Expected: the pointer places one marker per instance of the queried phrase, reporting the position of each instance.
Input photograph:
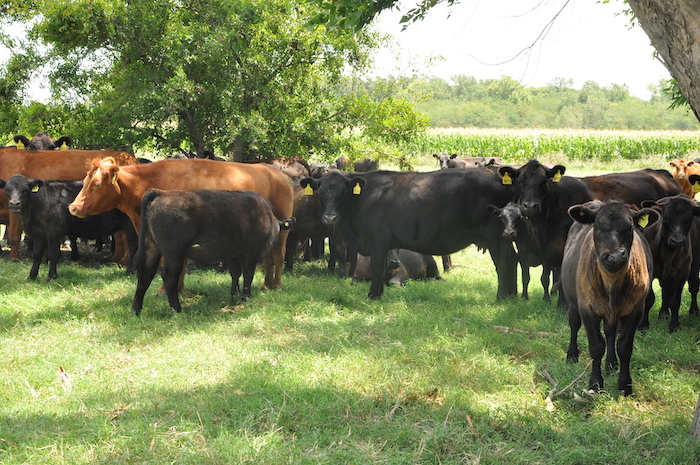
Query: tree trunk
(673, 26)
(695, 427)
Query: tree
(248, 78)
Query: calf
(675, 245)
(606, 274)
(308, 212)
(43, 208)
(402, 265)
(518, 230)
(234, 227)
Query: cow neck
(130, 194)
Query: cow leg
(446, 262)
(14, 235)
(292, 241)
(248, 273)
(525, 278)
(234, 269)
(596, 347)
(38, 250)
(53, 253)
(574, 325)
(648, 303)
(693, 288)
(337, 253)
(506, 262)
(74, 254)
(610, 336)
(671, 299)
(274, 261)
(147, 269)
(171, 278)
(625, 345)
(378, 259)
(546, 271)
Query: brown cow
(108, 186)
(681, 173)
(606, 274)
(63, 165)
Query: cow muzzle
(76, 211)
(330, 219)
(614, 260)
(14, 206)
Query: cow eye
(96, 185)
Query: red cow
(63, 165)
(682, 171)
(108, 186)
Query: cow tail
(140, 257)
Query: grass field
(316, 373)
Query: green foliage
(505, 103)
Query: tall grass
(437, 372)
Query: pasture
(433, 373)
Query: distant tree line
(505, 103)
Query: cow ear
(508, 174)
(21, 141)
(2, 183)
(453, 156)
(646, 217)
(556, 172)
(63, 142)
(582, 214)
(35, 185)
(672, 163)
(435, 155)
(493, 210)
(694, 181)
(649, 203)
(309, 185)
(357, 184)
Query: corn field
(573, 144)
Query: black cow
(546, 195)
(675, 245)
(402, 265)
(236, 228)
(453, 161)
(42, 141)
(517, 229)
(43, 207)
(606, 274)
(364, 165)
(308, 212)
(633, 187)
(383, 210)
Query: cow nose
(676, 242)
(330, 219)
(14, 205)
(393, 264)
(531, 207)
(510, 233)
(614, 260)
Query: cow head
(510, 216)
(532, 184)
(335, 190)
(100, 190)
(18, 189)
(42, 141)
(677, 215)
(613, 230)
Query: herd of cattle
(601, 240)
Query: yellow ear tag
(357, 189)
(506, 179)
(64, 146)
(35, 189)
(643, 221)
(696, 187)
(114, 178)
(308, 190)
(20, 145)
(557, 176)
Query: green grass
(316, 373)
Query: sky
(487, 39)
